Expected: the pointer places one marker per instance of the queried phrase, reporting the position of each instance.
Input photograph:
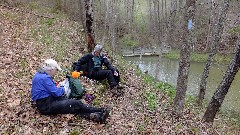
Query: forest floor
(28, 37)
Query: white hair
(47, 67)
(98, 48)
(50, 64)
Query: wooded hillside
(30, 33)
(151, 22)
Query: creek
(167, 71)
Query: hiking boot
(117, 90)
(120, 91)
(120, 87)
(104, 116)
(101, 116)
(97, 116)
(114, 90)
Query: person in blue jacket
(50, 99)
(94, 62)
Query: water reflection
(167, 71)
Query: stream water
(167, 71)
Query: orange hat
(75, 74)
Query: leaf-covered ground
(27, 38)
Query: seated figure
(93, 63)
(50, 99)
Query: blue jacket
(43, 86)
(88, 59)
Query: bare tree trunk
(106, 4)
(82, 11)
(132, 17)
(82, 18)
(181, 5)
(89, 25)
(163, 17)
(217, 37)
(129, 13)
(171, 25)
(160, 31)
(151, 19)
(184, 63)
(223, 87)
(113, 26)
(210, 24)
(166, 13)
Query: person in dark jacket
(94, 61)
(50, 99)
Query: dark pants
(62, 105)
(106, 74)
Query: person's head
(97, 49)
(50, 66)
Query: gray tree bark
(216, 42)
(171, 24)
(223, 87)
(184, 63)
(114, 12)
(210, 24)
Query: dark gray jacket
(87, 60)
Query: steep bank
(28, 37)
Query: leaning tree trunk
(217, 37)
(171, 25)
(184, 63)
(89, 25)
(222, 89)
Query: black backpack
(83, 68)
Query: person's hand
(115, 73)
(67, 91)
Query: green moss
(127, 41)
(167, 88)
(140, 128)
(137, 102)
(33, 5)
(199, 57)
(195, 129)
(23, 63)
(19, 74)
(191, 100)
(7, 15)
(97, 101)
(49, 22)
(147, 79)
(151, 100)
(234, 30)
(76, 132)
(172, 55)
(178, 127)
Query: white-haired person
(50, 99)
(94, 62)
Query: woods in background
(158, 23)
(130, 23)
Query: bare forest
(33, 30)
(153, 22)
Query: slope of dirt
(27, 38)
